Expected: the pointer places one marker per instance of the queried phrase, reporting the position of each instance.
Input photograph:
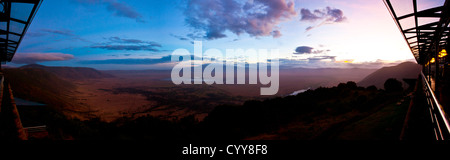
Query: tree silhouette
(393, 85)
(372, 88)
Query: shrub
(393, 85)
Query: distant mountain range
(405, 70)
(71, 72)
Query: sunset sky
(137, 34)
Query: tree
(351, 85)
(372, 88)
(348, 85)
(393, 85)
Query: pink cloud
(31, 58)
(257, 17)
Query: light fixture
(442, 53)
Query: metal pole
(436, 78)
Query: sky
(137, 34)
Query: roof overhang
(426, 30)
(15, 18)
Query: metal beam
(432, 12)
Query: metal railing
(34, 129)
(1, 89)
(439, 118)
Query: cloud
(303, 50)
(36, 34)
(119, 9)
(324, 16)
(179, 37)
(128, 47)
(116, 43)
(63, 32)
(307, 15)
(319, 58)
(308, 50)
(45, 32)
(328, 14)
(213, 18)
(194, 35)
(129, 61)
(132, 61)
(331, 62)
(31, 58)
(276, 33)
(133, 41)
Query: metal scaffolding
(426, 32)
(15, 18)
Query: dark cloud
(32, 58)
(179, 37)
(276, 33)
(325, 16)
(116, 43)
(183, 39)
(328, 14)
(303, 50)
(120, 9)
(308, 50)
(335, 15)
(213, 18)
(307, 15)
(194, 36)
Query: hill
(53, 86)
(72, 73)
(38, 85)
(399, 72)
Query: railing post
(439, 117)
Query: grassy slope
(38, 85)
(382, 121)
(41, 86)
(385, 124)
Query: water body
(22, 102)
(299, 91)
